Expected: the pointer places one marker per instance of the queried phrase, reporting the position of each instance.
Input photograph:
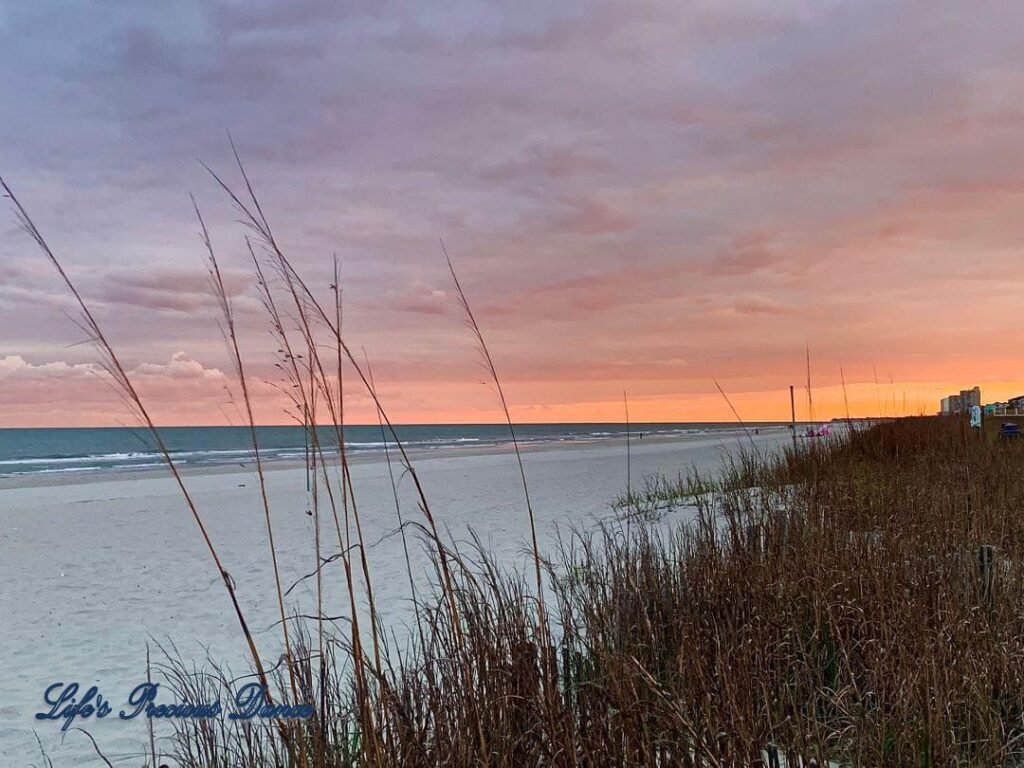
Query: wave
(27, 452)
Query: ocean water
(77, 450)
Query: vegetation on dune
(854, 601)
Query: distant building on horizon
(1012, 407)
(960, 403)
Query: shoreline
(61, 479)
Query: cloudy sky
(639, 196)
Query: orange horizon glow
(208, 404)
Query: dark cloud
(177, 289)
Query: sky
(641, 197)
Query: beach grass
(852, 602)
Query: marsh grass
(855, 601)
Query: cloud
(182, 290)
(178, 388)
(179, 368)
(746, 254)
(424, 300)
(618, 182)
(595, 217)
(15, 367)
(756, 305)
(545, 162)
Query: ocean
(79, 450)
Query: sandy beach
(95, 568)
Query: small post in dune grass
(755, 537)
(792, 414)
(986, 572)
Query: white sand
(90, 571)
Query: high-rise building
(960, 403)
(969, 397)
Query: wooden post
(986, 568)
(792, 414)
(755, 537)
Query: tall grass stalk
(231, 336)
(111, 363)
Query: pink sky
(642, 197)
